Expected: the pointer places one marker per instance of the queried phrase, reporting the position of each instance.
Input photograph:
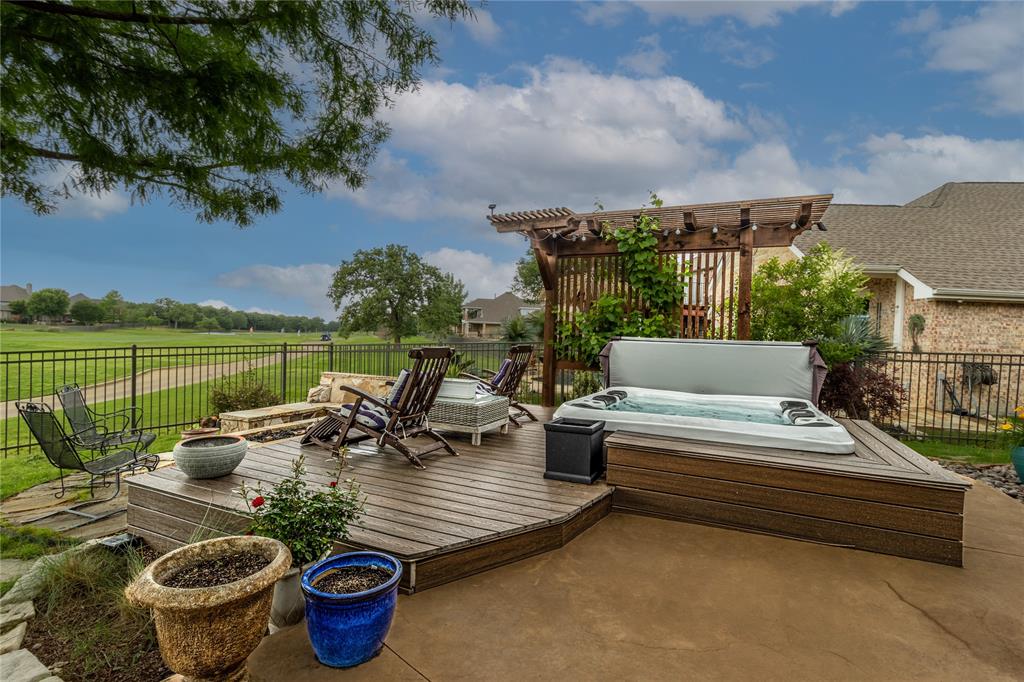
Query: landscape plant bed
(352, 579)
(84, 630)
(1002, 477)
(217, 571)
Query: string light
(714, 229)
(753, 228)
(793, 225)
(678, 231)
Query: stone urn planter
(347, 629)
(210, 456)
(206, 633)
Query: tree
(207, 101)
(527, 283)
(443, 310)
(49, 303)
(19, 309)
(806, 298)
(112, 306)
(181, 314)
(86, 312)
(208, 324)
(387, 287)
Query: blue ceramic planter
(349, 629)
(1017, 458)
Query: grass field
(973, 454)
(78, 356)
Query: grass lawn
(79, 360)
(974, 454)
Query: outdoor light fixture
(678, 232)
(664, 233)
(583, 237)
(753, 227)
(714, 229)
(792, 225)
(492, 207)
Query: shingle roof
(962, 235)
(12, 292)
(497, 310)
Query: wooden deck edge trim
(824, 506)
(743, 518)
(882, 490)
(621, 440)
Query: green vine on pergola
(658, 289)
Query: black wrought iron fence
(170, 386)
(954, 397)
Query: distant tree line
(54, 305)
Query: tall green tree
(113, 306)
(19, 309)
(86, 312)
(443, 309)
(389, 288)
(527, 283)
(211, 102)
(49, 303)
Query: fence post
(284, 371)
(330, 356)
(135, 419)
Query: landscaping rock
(22, 666)
(11, 641)
(12, 614)
(11, 569)
(1002, 477)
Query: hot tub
(789, 423)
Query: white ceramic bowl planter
(210, 456)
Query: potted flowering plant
(1013, 429)
(306, 516)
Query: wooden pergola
(715, 242)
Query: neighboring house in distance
(955, 256)
(10, 293)
(484, 317)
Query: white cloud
(307, 283)
(753, 14)
(599, 13)
(988, 44)
(482, 275)
(217, 303)
(923, 21)
(563, 136)
(83, 204)
(482, 27)
(737, 50)
(649, 59)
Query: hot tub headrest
(761, 368)
(601, 401)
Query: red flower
(333, 484)
(258, 501)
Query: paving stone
(12, 614)
(11, 641)
(22, 666)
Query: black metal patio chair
(89, 426)
(60, 448)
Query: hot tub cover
(757, 368)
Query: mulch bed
(1002, 477)
(350, 579)
(219, 571)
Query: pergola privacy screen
(578, 265)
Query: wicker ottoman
(473, 416)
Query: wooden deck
(463, 515)
(883, 498)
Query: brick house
(10, 293)
(484, 317)
(955, 256)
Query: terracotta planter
(196, 433)
(207, 633)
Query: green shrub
(246, 392)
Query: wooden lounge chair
(60, 448)
(393, 420)
(505, 382)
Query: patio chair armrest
(373, 400)
(467, 375)
(99, 429)
(123, 413)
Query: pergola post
(548, 265)
(746, 275)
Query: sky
(539, 104)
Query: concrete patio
(644, 598)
